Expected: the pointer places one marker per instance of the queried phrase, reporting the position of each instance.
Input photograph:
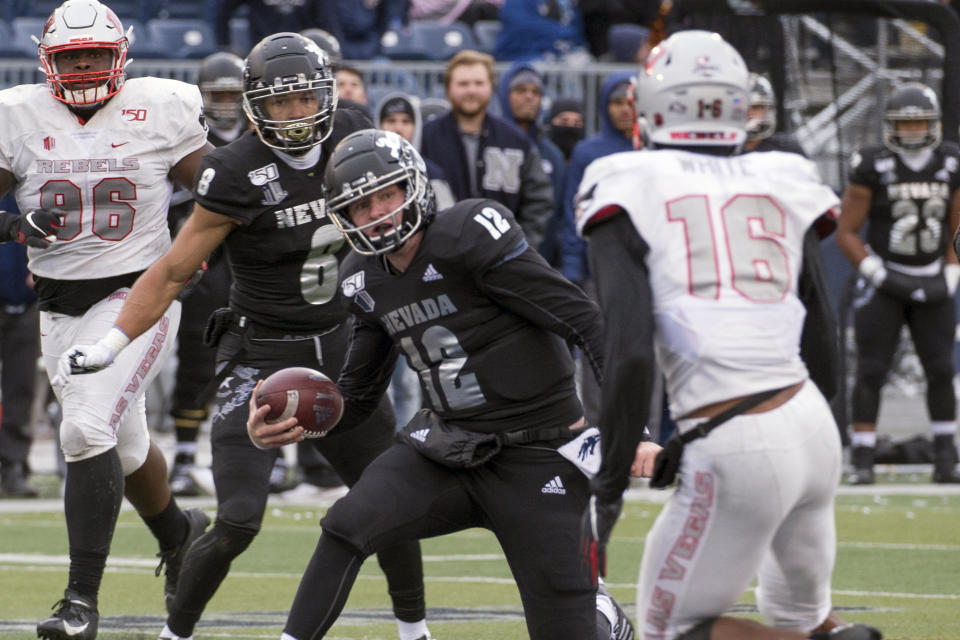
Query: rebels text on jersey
(109, 176)
(907, 221)
(286, 253)
(480, 316)
(725, 237)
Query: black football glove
(37, 228)
(595, 527)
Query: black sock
(91, 502)
(169, 526)
(403, 568)
(324, 588)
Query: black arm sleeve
(819, 343)
(366, 372)
(531, 288)
(617, 261)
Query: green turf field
(898, 567)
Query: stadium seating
(486, 34)
(24, 27)
(192, 9)
(427, 40)
(181, 37)
(240, 36)
(8, 48)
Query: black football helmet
(279, 65)
(222, 73)
(913, 101)
(326, 41)
(367, 161)
(760, 127)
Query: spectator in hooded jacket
(520, 92)
(534, 29)
(485, 156)
(617, 120)
(566, 124)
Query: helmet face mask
(762, 115)
(282, 69)
(72, 29)
(362, 165)
(220, 81)
(912, 102)
(693, 92)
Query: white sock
(863, 438)
(287, 636)
(168, 633)
(411, 630)
(943, 428)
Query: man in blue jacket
(520, 92)
(617, 120)
(485, 156)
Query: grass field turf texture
(898, 567)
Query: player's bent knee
(699, 632)
(133, 453)
(79, 444)
(224, 540)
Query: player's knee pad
(224, 541)
(871, 375)
(133, 448)
(80, 442)
(699, 632)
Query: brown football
(304, 393)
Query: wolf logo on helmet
(80, 25)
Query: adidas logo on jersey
(554, 486)
(431, 274)
(420, 434)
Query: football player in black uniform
(908, 193)
(762, 134)
(486, 324)
(220, 80)
(261, 196)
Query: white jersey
(726, 244)
(109, 176)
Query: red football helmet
(83, 24)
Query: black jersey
(907, 221)
(286, 253)
(480, 316)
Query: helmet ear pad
(279, 65)
(366, 162)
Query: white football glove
(872, 269)
(951, 273)
(87, 358)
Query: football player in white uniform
(91, 156)
(711, 260)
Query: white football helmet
(761, 125)
(693, 92)
(83, 24)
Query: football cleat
(197, 522)
(75, 618)
(182, 483)
(862, 460)
(620, 626)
